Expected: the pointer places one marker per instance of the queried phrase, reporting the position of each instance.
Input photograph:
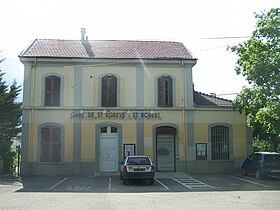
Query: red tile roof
(202, 99)
(106, 49)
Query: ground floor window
(50, 144)
(220, 142)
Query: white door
(165, 152)
(108, 152)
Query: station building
(88, 104)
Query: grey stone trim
(139, 136)
(209, 149)
(173, 89)
(98, 126)
(189, 87)
(43, 87)
(78, 78)
(139, 86)
(77, 147)
(190, 136)
(27, 84)
(24, 169)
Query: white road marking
(251, 182)
(110, 183)
(162, 184)
(192, 183)
(58, 183)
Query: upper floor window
(50, 144)
(220, 142)
(52, 91)
(165, 93)
(109, 91)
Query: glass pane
(45, 152)
(114, 130)
(56, 152)
(104, 130)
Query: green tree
(10, 120)
(259, 62)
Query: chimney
(83, 33)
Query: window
(109, 91)
(50, 144)
(220, 143)
(52, 91)
(164, 88)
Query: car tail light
(152, 168)
(262, 162)
(125, 169)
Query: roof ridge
(213, 96)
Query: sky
(203, 26)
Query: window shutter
(169, 92)
(52, 91)
(160, 89)
(113, 91)
(104, 94)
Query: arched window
(220, 143)
(52, 91)
(109, 91)
(165, 93)
(50, 144)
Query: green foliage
(10, 120)
(259, 62)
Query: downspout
(33, 77)
(183, 111)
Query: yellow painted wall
(88, 142)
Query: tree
(10, 120)
(259, 62)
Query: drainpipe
(183, 110)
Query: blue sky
(185, 21)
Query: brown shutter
(113, 91)
(104, 99)
(45, 140)
(52, 91)
(169, 94)
(160, 91)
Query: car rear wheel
(258, 174)
(124, 181)
(244, 172)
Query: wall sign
(129, 149)
(201, 151)
(115, 115)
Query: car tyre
(258, 174)
(124, 181)
(244, 172)
(151, 181)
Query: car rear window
(138, 161)
(272, 157)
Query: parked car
(262, 164)
(137, 167)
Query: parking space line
(192, 183)
(251, 182)
(58, 183)
(110, 183)
(162, 184)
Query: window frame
(229, 155)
